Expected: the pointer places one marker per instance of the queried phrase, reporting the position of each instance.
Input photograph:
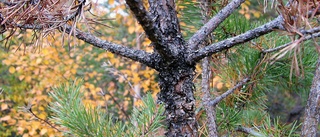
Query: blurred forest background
(30, 67)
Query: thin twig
(45, 121)
(112, 69)
(276, 48)
(225, 94)
(103, 93)
(249, 131)
(310, 36)
(310, 31)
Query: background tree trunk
(310, 124)
(206, 12)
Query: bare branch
(230, 42)
(276, 48)
(308, 37)
(225, 94)
(29, 26)
(136, 55)
(103, 93)
(249, 131)
(213, 23)
(310, 31)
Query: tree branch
(136, 55)
(230, 42)
(5, 2)
(166, 21)
(145, 19)
(249, 131)
(313, 33)
(45, 121)
(212, 24)
(225, 94)
(160, 24)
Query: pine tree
(174, 56)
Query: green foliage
(228, 117)
(70, 112)
(232, 26)
(147, 118)
(190, 17)
(277, 129)
(81, 119)
(251, 104)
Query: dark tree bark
(312, 111)
(175, 74)
(177, 87)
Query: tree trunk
(176, 91)
(310, 124)
(206, 6)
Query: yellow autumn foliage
(34, 70)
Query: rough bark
(145, 19)
(177, 93)
(175, 61)
(312, 111)
(175, 74)
(166, 20)
(160, 24)
(249, 131)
